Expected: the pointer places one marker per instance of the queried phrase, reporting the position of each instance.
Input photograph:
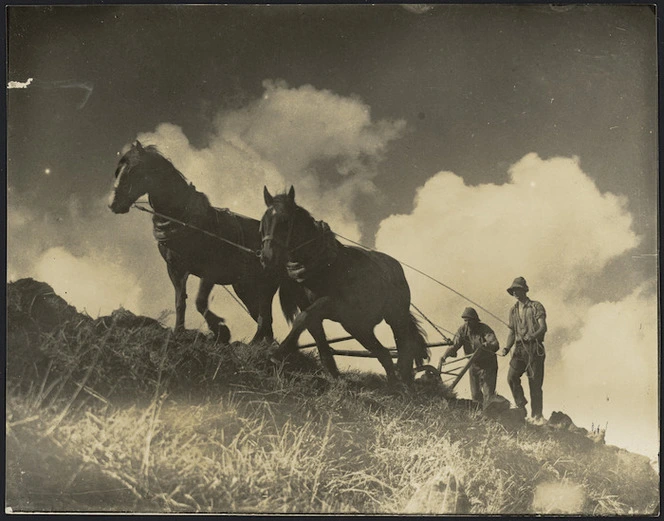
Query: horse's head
(131, 179)
(277, 227)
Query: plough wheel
(429, 373)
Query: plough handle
(442, 363)
(464, 370)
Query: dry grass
(117, 419)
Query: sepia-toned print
(332, 259)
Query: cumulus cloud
(93, 240)
(551, 224)
(609, 374)
(326, 145)
(89, 283)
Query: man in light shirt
(527, 323)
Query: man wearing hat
(527, 323)
(474, 335)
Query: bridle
(269, 237)
(130, 165)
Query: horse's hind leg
(179, 279)
(410, 344)
(368, 339)
(214, 322)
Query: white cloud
(90, 283)
(325, 144)
(296, 126)
(610, 373)
(550, 224)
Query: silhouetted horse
(349, 285)
(187, 250)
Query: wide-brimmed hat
(470, 313)
(519, 283)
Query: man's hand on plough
(449, 352)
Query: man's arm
(540, 316)
(509, 344)
(539, 334)
(510, 336)
(458, 342)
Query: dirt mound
(33, 306)
(498, 408)
(126, 319)
(48, 340)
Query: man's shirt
(525, 319)
(472, 340)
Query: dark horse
(187, 250)
(346, 284)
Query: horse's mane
(154, 151)
(201, 199)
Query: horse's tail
(289, 290)
(419, 338)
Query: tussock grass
(108, 418)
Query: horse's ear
(267, 196)
(291, 194)
(139, 147)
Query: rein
(191, 226)
(301, 271)
(286, 246)
(318, 236)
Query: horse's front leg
(325, 352)
(266, 293)
(214, 322)
(179, 279)
(312, 317)
(257, 297)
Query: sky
(477, 143)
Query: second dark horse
(355, 287)
(186, 250)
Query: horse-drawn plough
(450, 372)
(289, 250)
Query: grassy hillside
(117, 414)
